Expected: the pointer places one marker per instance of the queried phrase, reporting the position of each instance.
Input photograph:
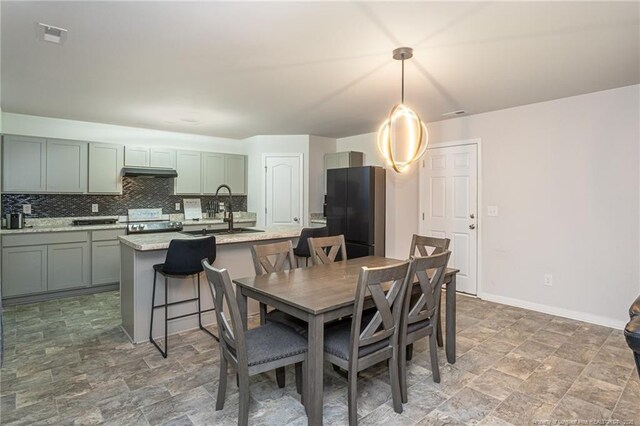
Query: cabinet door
(213, 171)
(342, 160)
(136, 156)
(189, 168)
(235, 173)
(105, 262)
(24, 164)
(330, 162)
(105, 168)
(24, 270)
(68, 266)
(66, 166)
(163, 157)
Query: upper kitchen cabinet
(66, 166)
(236, 173)
(105, 168)
(189, 168)
(213, 171)
(162, 157)
(137, 156)
(24, 164)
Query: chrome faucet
(228, 213)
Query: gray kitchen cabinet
(162, 157)
(68, 265)
(213, 171)
(189, 168)
(136, 156)
(24, 270)
(236, 173)
(67, 166)
(24, 164)
(105, 262)
(105, 168)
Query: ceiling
(241, 69)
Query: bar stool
(301, 251)
(184, 259)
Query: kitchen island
(138, 254)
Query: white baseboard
(553, 310)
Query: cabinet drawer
(107, 234)
(44, 238)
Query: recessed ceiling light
(452, 113)
(51, 34)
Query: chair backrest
(384, 326)
(427, 246)
(268, 258)
(302, 248)
(184, 256)
(230, 330)
(430, 273)
(325, 249)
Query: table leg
(242, 304)
(451, 321)
(315, 361)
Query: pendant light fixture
(402, 138)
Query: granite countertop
(148, 242)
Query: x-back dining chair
(420, 314)
(359, 343)
(325, 249)
(253, 351)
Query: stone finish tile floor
(68, 362)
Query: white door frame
(264, 177)
(480, 215)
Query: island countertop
(160, 241)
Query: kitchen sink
(222, 231)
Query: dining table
(323, 293)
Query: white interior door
(449, 204)
(283, 177)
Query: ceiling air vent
(453, 113)
(51, 34)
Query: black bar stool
(184, 259)
(302, 248)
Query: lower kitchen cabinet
(68, 266)
(105, 262)
(24, 270)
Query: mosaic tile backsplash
(137, 193)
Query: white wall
(273, 144)
(318, 147)
(30, 125)
(565, 176)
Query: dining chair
(362, 341)
(301, 250)
(325, 249)
(254, 351)
(428, 246)
(419, 315)
(269, 258)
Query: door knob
(295, 219)
(472, 216)
(472, 226)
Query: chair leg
(409, 355)
(402, 371)
(166, 317)
(433, 348)
(352, 397)
(439, 332)
(280, 377)
(341, 372)
(202, 327)
(299, 377)
(263, 314)
(243, 395)
(153, 304)
(395, 382)
(222, 382)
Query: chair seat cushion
(418, 325)
(299, 326)
(182, 273)
(634, 310)
(271, 342)
(632, 334)
(337, 339)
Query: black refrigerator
(356, 208)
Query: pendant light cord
(402, 98)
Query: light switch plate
(26, 208)
(548, 280)
(94, 208)
(178, 206)
(492, 211)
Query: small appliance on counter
(14, 220)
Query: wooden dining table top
(319, 288)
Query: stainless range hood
(149, 172)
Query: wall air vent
(454, 113)
(51, 34)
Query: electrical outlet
(548, 280)
(177, 206)
(26, 208)
(94, 208)
(492, 211)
